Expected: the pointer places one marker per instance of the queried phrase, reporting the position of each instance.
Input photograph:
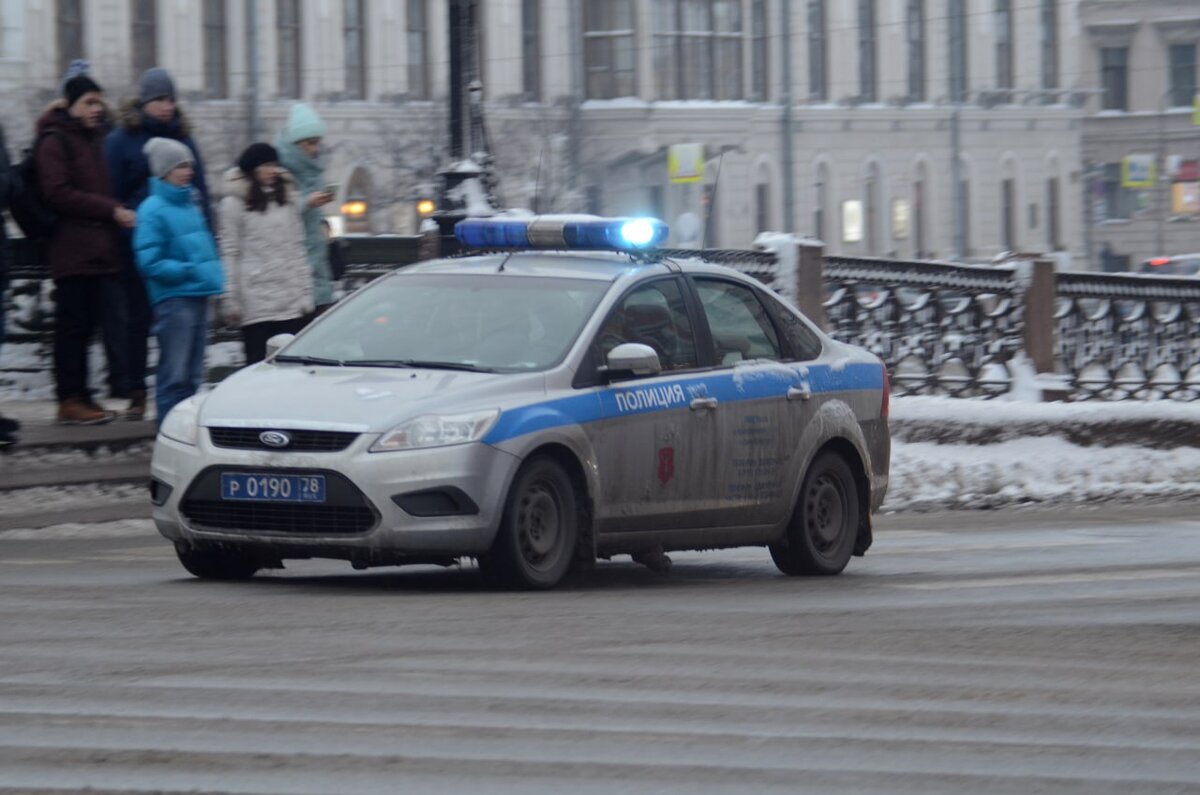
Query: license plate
(261, 487)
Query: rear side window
(804, 343)
(741, 328)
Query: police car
(566, 393)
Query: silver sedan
(534, 410)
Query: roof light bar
(563, 232)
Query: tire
(821, 534)
(214, 563)
(535, 544)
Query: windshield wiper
(431, 365)
(308, 360)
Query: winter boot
(76, 411)
(137, 405)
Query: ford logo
(275, 438)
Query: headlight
(432, 430)
(181, 422)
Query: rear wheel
(538, 531)
(215, 563)
(820, 537)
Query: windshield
(492, 322)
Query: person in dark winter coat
(152, 114)
(178, 259)
(8, 427)
(81, 253)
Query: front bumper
(477, 472)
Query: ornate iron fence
(1134, 336)
(942, 328)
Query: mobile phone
(331, 188)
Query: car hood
(362, 399)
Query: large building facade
(917, 128)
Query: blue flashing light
(586, 233)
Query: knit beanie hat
(165, 154)
(155, 84)
(303, 122)
(79, 66)
(77, 86)
(256, 155)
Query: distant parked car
(1178, 265)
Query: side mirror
(633, 358)
(276, 343)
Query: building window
(867, 73)
(956, 14)
(68, 24)
(354, 36)
(287, 33)
(1119, 201)
(417, 38)
(1004, 44)
(758, 51)
(531, 47)
(610, 59)
(818, 58)
(216, 52)
(1183, 74)
(698, 49)
(1114, 75)
(915, 28)
(145, 36)
(1052, 221)
(1008, 216)
(762, 207)
(1049, 45)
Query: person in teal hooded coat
(299, 148)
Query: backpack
(25, 202)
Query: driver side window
(654, 314)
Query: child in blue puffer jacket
(178, 260)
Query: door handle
(703, 403)
(799, 392)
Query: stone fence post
(810, 281)
(1040, 298)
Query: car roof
(597, 265)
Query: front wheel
(538, 531)
(820, 536)
(214, 563)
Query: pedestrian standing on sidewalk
(268, 281)
(154, 113)
(8, 427)
(81, 252)
(299, 146)
(177, 257)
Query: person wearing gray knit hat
(165, 155)
(155, 84)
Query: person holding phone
(268, 282)
(299, 147)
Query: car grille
(279, 517)
(345, 511)
(303, 441)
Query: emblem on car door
(666, 464)
(275, 438)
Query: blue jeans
(181, 327)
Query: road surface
(984, 652)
